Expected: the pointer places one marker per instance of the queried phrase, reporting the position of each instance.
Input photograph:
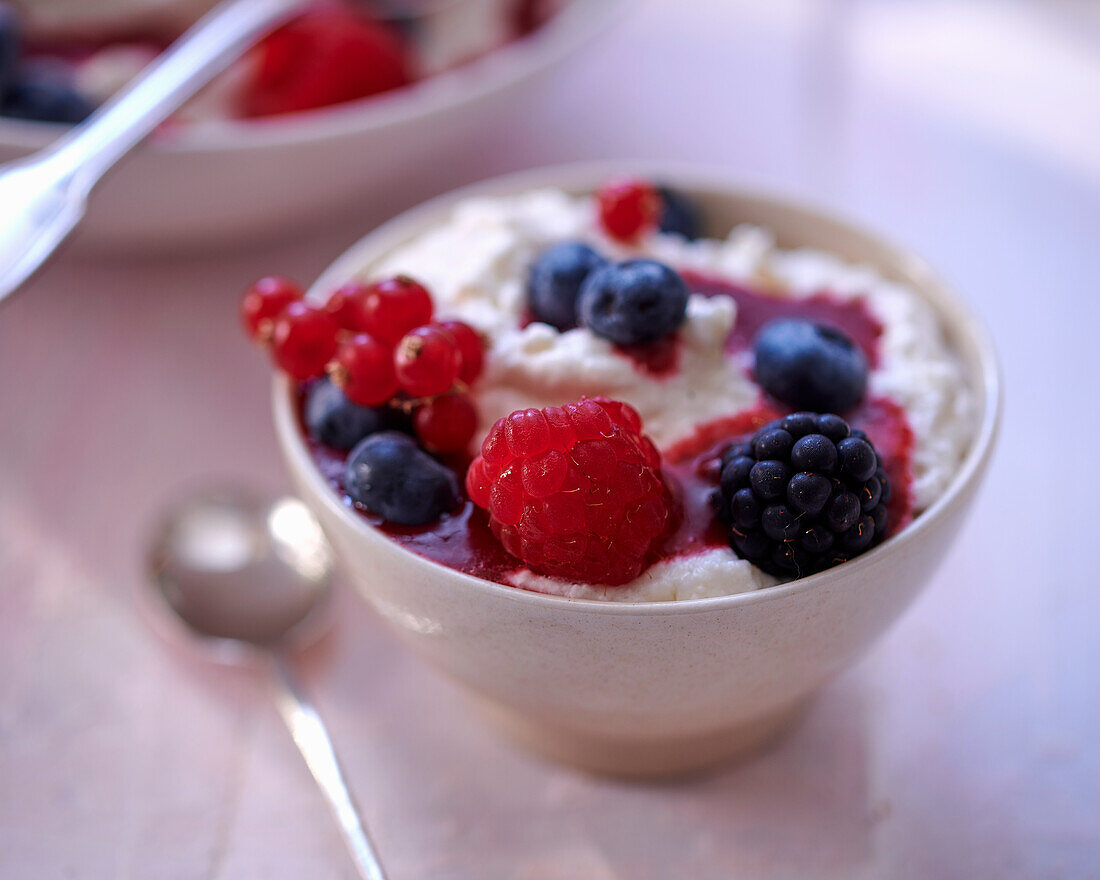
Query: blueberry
(334, 420)
(11, 39)
(43, 100)
(391, 476)
(633, 303)
(810, 365)
(555, 279)
(814, 452)
(680, 215)
(769, 479)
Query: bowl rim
(499, 69)
(584, 177)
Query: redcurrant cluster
(376, 341)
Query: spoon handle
(192, 61)
(311, 737)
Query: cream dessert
(755, 413)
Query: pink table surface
(964, 745)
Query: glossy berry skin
(363, 369)
(328, 55)
(810, 366)
(679, 215)
(797, 501)
(303, 340)
(346, 306)
(334, 420)
(389, 475)
(263, 302)
(554, 281)
(446, 423)
(427, 361)
(42, 99)
(393, 307)
(471, 347)
(628, 208)
(633, 303)
(573, 491)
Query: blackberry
(804, 494)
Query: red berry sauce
(463, 540)
(754, 310)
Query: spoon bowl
(237, 568)
(247, 577)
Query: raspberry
(324, 56)
(573, 491)
(804, 494)
(628, 208)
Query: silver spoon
(249, 577)
(44, 196)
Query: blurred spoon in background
(248, 578)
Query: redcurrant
(628, 208)
(263, 302)
(446, 423)
(303, 340)
(393, 307)
(363, 368)
(470, 346)
(346, 306)
(427, 361)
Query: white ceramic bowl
(653, 688)
(225, 181)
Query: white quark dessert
(476, 266)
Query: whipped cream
(476, 264)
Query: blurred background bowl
(225, 182)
